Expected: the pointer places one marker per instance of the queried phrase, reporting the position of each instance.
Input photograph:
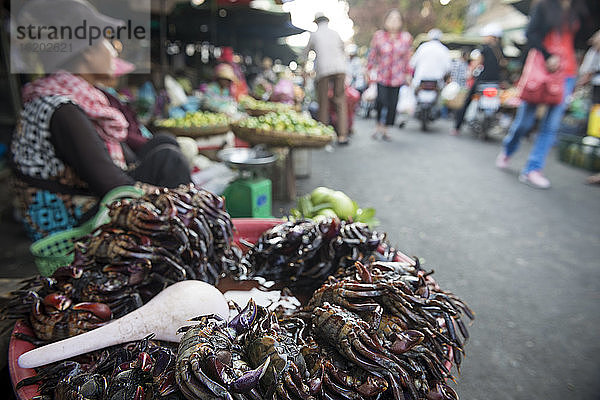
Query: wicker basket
(280, 139)
(254, 112)
(257, 112)
(56, 250)
(197, 131)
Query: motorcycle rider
(431, 61)
(492, 61)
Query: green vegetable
(323, 203)
(320, 195)
(342, 204)
(305, 206)
(328, 212)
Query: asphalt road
(526, 260)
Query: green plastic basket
(56, 250)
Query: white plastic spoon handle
(163, 315)
(99, 338)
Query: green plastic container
(580, 152)
(56, 250)
(249, 198)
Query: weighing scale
(250, 194)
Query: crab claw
(145, 362)
(71, 271)
(441, 391)
(363, 272)
(250, 379)
(57, 301)
(166, 383)
(372, 387)
(242, 322)
(406, 341)
(315, 383)
(139, 393)
(100, 310)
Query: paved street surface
(526, 260)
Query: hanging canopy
(233, 24)
(167, 6)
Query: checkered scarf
(109, 122)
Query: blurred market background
(525, 260)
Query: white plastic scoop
(163, 315)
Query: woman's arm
(77, 143)
(373, 54)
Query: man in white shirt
(330, 66)
(432, 60)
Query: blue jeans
(523, 122)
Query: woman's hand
(553, 63)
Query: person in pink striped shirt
(389, 58)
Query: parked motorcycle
(486, 104)
(427, 96)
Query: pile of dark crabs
(373, 324)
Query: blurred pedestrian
(355, 74)
(330, 66)
(487, 70)
(460, 69)
(589, 71)
(551, 30)
(389, 56)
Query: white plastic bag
(370, 94)
(406, 101)
(450, 91)
(471, 111)
(175, 91)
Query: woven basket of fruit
(289, 129)
(197, 124)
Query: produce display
(249, 103)
(376, 327)
(196, 122)
(324, 203)
(290, 121)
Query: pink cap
(122, 67)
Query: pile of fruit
(323, 203)
(195, 120)
(250, 103)
(289, 121)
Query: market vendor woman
(68, 147)
(218, 96)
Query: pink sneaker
(535, 179)
(502, 160)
